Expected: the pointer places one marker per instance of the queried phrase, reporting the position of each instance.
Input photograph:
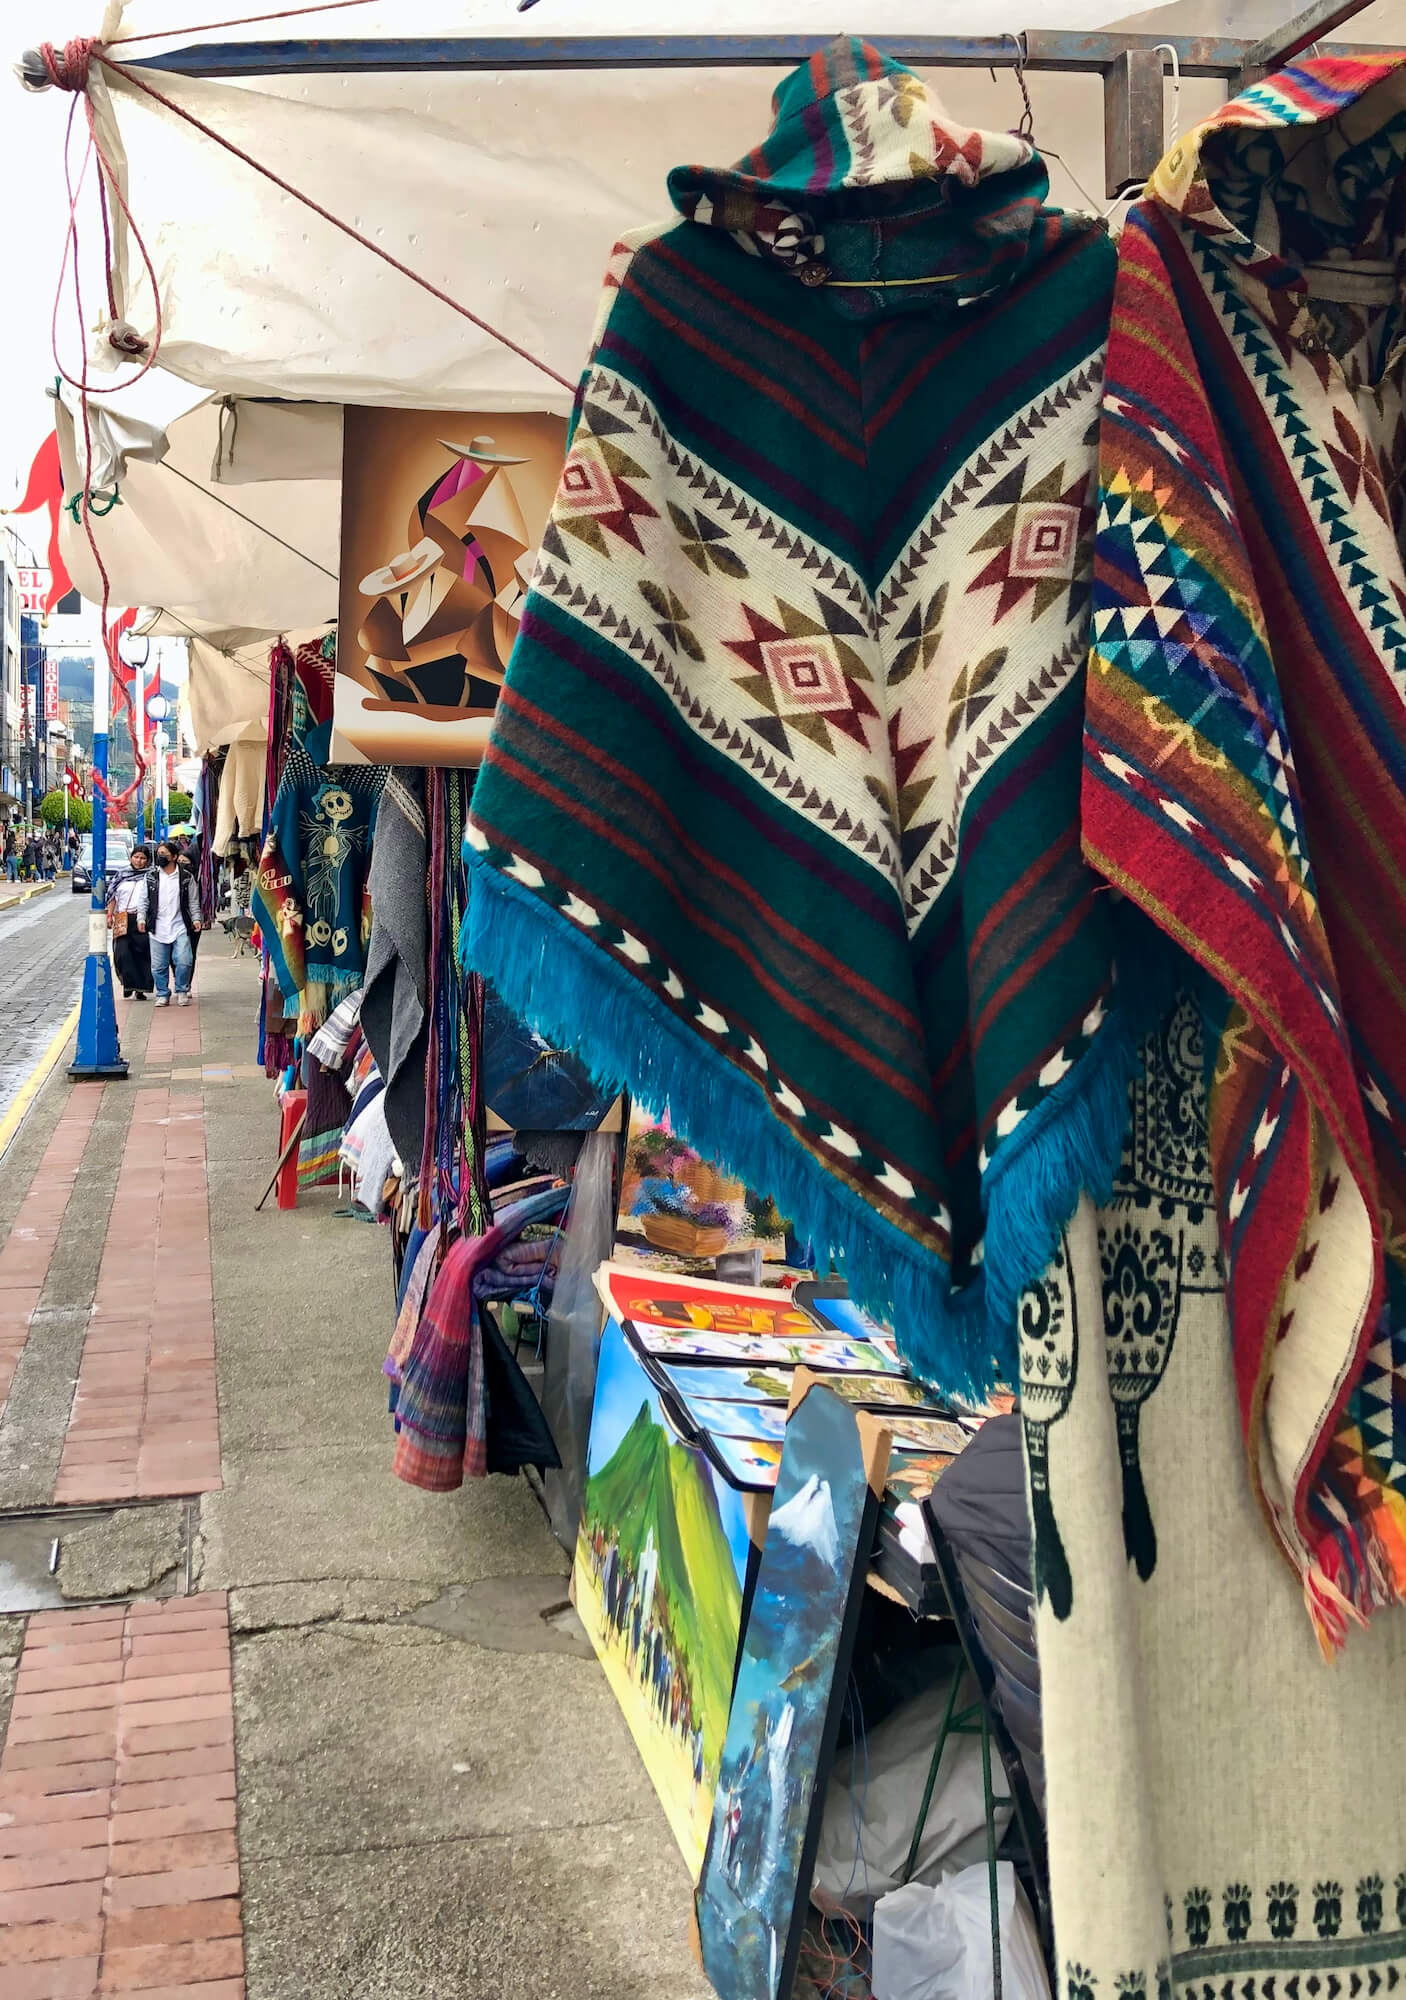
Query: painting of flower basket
(681, 1211)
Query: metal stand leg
(942, 1735)
(991, 1876)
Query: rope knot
(68, 70)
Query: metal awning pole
(1283, 44)
(1038, 49)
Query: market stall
(937, 1295)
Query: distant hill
(650, 1481)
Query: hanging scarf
(1245, 775)
(455, 1129)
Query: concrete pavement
(435, 1793)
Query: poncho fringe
(964, 1341)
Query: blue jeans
(12, 867)
(178, 957)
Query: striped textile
(778, 821)
(1245, 768)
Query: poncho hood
(1300, 179)
(867, 186)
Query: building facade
(11, 670)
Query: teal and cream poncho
(779, 818)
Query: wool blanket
(1224, 1814)
(1245, 776)
(311, 901)
(778, 821)
(441, 1412)
(395, 1012)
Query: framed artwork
(658, 1578)
(752, 1896)
(442, 512)
(678, 1211)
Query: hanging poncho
(778, 822)
(1246, 769)
(312, 903)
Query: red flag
(120, 669)
(45, 489)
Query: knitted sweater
(1246, 768)
(778, 821)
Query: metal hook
(1026, 127)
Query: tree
(80, 813)
(178, 807)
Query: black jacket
(189, 900)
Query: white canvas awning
(505, 189)
(206, 553)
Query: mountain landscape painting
(753, 1892)
(660, 1563)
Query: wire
(1170, 47)
(248, 519)
(240, 21)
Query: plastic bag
(874, 1795)
(932, 1941)
(573, 1330)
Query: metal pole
(1037, 49)
(98, 1052)
(139, 690)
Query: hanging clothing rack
(1131, 65)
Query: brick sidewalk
(119, 1871)
(145, 1419)
(29, 1248)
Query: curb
(30, 889)
(37, 1078)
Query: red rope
(70, 72)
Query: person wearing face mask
(173, 923)
(127, 916)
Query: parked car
(119, 852)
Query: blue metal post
(98, 1052)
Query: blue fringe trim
(962, 1341)
(1069, 1145)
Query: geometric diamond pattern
(1379, 1405)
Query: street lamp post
(157, 709)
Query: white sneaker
(163, 1000)
(183, 999)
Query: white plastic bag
(932, 1941)
(874, 1796)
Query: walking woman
(131, 940)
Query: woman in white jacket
(127, 911)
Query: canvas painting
(661, 1559)
(912, 1475)
(752, 1897)
(689, 1304)
(751, 1463)
(442, 512)
(678, 1212)
(855, 1355)
(734, 1385)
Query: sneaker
(163, 1000)
(126, 992)
(183, 999)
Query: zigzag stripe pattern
(1245, 763)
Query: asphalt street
(42, 946)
